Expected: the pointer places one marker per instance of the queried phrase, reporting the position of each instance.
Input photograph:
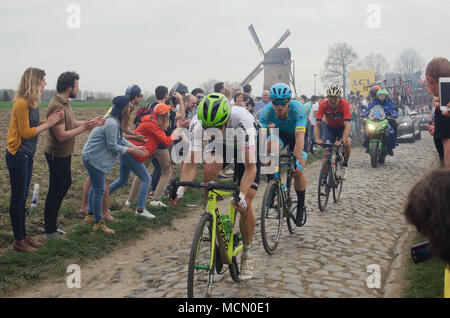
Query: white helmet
(334, 90)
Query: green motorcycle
(377, 130)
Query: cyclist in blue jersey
(289, 117)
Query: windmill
(277, 63)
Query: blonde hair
(30, 86)
(163, 121)
(124, 118)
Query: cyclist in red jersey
(337, 113)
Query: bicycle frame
(226, 249)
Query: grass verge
(424, 280)
(19, 269)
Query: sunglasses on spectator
(280, 102)
(199, 96)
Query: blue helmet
(280, 91)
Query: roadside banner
(361, 81)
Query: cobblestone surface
(328, 257)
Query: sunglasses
(199, 96)
(280, 102)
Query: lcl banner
(362, 81)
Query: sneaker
(300, 219)
(344, 173)
(89, 219)
(54, 235)
(157, 204)
(246, 268)
(100, 225)
(127, 203)
(390, 152)
(145, 214)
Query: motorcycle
(378, 131)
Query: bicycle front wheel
(200, 271)
(324, 186)
(271, 217)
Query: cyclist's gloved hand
(242, 203)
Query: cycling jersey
(334, 118)
(240, 118)
(295, 121)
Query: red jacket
(150, 129)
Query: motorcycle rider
(388, 107)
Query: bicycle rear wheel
(200, 273)
(271, 217)
(324, 186)
(338, 181)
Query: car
(408, 124)
(423, 121)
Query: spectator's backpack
(143, 111)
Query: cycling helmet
(382, 92)
(213, 110)
(374, 90)
(280, 91)
(334, 90)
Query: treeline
(7, 95)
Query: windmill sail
(281, 40)
(255, 37)
(253, 74)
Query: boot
(100, 225)
(31, 242)
(89, 219)
(22, 246)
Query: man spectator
(248, 90)
(307, 105)
(312, 119)
(198, 93)
(219, 88)
(437, 68)
(60, 147)
(265, 100)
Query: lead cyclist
(289, 117)
(214, 111)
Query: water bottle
(34, 200)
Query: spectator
(308, 105)
(265, 100)
(219, 88)
(134, 94)
(105, 143)
(427, 208)
(248, 90)
(312, 117)
(246, 102)
(238, 99)
(198, 93)
(60, 147)
(24, 128)
(161, 156)
(437, 68)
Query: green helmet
(382, 92)
(213, 110)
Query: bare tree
(378, 63)
(340, 57)
(409, 62)
(208, 86)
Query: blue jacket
(105, 143)
(388, 108)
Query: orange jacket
(150, 129)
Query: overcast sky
(161, 42)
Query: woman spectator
(238, 99)
(99, 153)
(152, 128)
(24, 128)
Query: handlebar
(210, 186)
(328, 144)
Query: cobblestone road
(328, 257)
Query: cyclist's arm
(347, 121)
(299, 144)
(249, 173)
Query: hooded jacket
(150, 129)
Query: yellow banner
(361, 81)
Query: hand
(178, 96)
(242, 205)
(90, 124)
(139, 137)
(55, 117)
(319, 141)
(437, 104)
(271, 125)
(140, 151)
(338, 143)
(431, 129)
(180, 194)
(100, 120)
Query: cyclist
(337, 129)
(214, 111)
(383, 100)
(289, 117)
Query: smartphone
(421, 252)
(444, 93)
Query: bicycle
(277, 205)
(214, 232)
(333, 180)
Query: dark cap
(133, 91)
(119, 103)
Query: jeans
(60, 180)
(128, 164)
(96, 191)
(20, 167)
